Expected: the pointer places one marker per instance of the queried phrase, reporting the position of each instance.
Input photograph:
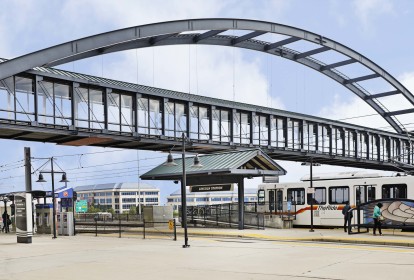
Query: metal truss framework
(50, 105)
(207, 31)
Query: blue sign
(65, 193)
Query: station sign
(270, 179)
(212, 188)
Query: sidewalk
(389, 237)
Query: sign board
(270, 179)
(66, 202)
(65, 193)
(212, 188)
(311, 190)
(24, 219)
(81, 206)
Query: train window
(319, 196)
(394, 191)
(296, 196)
(338, 195)
(364, 193)
(261, 197)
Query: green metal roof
(252, 162)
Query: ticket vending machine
(65, 223)
(44, 222)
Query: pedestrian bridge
(40, 103)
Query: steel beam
(362, 78)
(338, 64)
(273, 46)
(383, 94)
(312, 52)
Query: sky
(378, 29)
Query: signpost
(81, 206)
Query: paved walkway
(244, 256)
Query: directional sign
(82, 206)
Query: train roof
(342, 175)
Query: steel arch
(171, 33)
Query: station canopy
(219, 168)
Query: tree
(132, 211)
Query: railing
(397, 213)
(285, 210)
(224, 215)
(123, 224)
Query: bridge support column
(240, 190)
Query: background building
(210, 198)
(119, 196)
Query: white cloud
(355, 111)
(368, 11)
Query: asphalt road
(89, 257)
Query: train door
(272, 200)
(279, 200)
(364, 193)
(275, 200)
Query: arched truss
(207, 31)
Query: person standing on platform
(376, 216)
(347, 215)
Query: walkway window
(143, 115)
(221, 125)
(45, 103)
(296, 196)
(120, 112)
(260, 130)
(199, 123)
(175, 119)
(277, 132)
(394, 191)
(155, 117)
(7, 98)
(338, 195)
(63, 104)
(24, 99)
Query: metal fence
(224, 215)
(123, 225)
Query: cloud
(368, 11)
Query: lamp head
(170, 161)
(64, 179)
(197, 162)
(41, 179)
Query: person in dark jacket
(347, 215)
(6, 223)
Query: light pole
(64, 179)
(170, 162)
(311, 189)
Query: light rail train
(331, 192)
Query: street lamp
(64, 179)
(311, 189)
(170, 162)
